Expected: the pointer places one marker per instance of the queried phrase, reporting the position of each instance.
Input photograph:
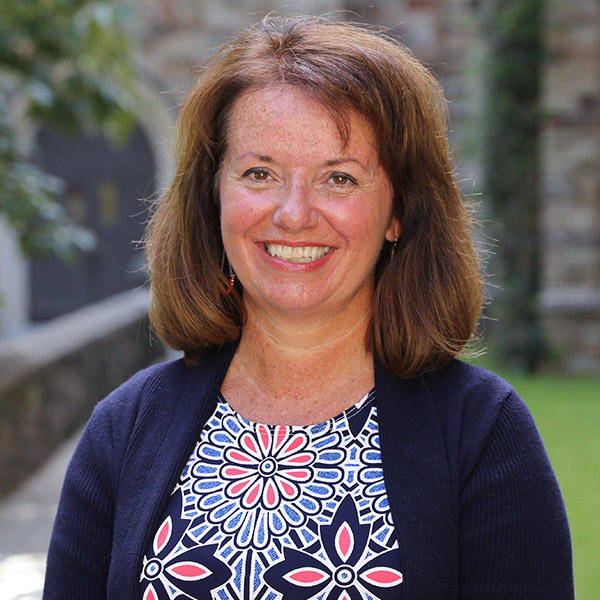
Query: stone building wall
(571, 184)
(177, 35)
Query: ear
(392, 233)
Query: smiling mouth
(297, 254)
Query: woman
(312, 259)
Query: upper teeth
(297, 253)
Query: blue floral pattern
(270, 512)
(371, 476)
(256, 481)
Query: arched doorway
(104, 188)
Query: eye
(257, 174)
(342, 180)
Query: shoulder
(472, 404)
(463, 389)
(453, 409)
(154, 395)
(163, 378)
(460, 380)
(115, 417)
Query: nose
(295, 211)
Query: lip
(293, 244)
(294, 267)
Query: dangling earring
(229, 289)
(393, 252)
(231, 281)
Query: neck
(293, 371)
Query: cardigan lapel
(156, 459)
(417, 477)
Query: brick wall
(571, 184)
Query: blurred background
(89, 92)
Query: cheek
(234, 219)
(361, 223)
(239, 212)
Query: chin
(291, 298)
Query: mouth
(296, 254)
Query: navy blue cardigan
(475, 504)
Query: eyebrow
(330, 163)
(340, 161)
(261, 157)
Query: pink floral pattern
(344, 569)
(255, 481)
(267, 466)
(172, 568)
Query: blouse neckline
(347, 413)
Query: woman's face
(303, 218)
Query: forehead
(288, 118)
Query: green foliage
(27, 202)
(67, 63)
(513, 33)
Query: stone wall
(177, 35)
(571, 184)
(51, 377)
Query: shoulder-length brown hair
(428, 292)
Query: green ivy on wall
(513, 32)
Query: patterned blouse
(264, 512)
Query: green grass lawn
(567, 412)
